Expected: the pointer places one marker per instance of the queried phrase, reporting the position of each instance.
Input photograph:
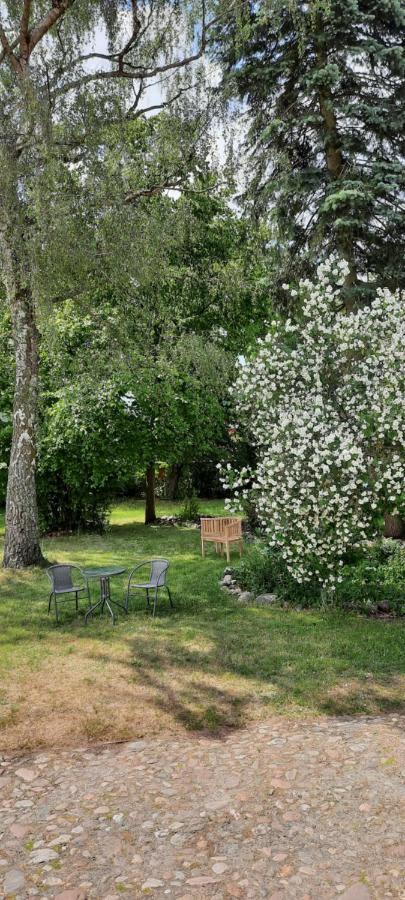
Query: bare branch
(135, 113)
(172, 184)
(167, 185)
(136, 27)
(58, 10)
(11, 46)
(134, 106)
(8, 52)
(135, 73)
(24, 30)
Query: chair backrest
(61, 577)
(217, 525)
(158, 571)
(234, 529)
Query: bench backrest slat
(221, 527)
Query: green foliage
(190, 509)
(264, 571)
(85, 454)
(122, 387)
(376, 579)
(373, 579)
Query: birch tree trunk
(22, 547)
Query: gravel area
(283, 809)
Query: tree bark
(22, 546)
(335, 164)
(150, 508)
(394, 526)
(173, 478)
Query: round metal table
(103, 573)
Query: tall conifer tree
(323, 82)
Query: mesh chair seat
(62, 583)
(68, 590)
(157, 580)
(144, 584)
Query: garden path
(306, 809)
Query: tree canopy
(60, 209)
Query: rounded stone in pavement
(13, 882)
(356, 892)
(71, 895)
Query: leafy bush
(373, 579)
(376, 579)
(321, 400)
(85, 453)
(190, 509)
(263, 570)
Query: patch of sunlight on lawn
(130, 511)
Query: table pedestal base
(105, 600)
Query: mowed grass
(209, 664)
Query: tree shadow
(224, 681)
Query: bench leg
(228, 555)
(202, 547)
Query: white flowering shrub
(323, 403)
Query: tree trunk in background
(22, 547)
(335, 164)
(173, 478)
(394, 526)
(150, 508)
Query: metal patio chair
(62, 583)
(156, 579)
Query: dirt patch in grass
(72, 700)
(93, 696)
(93, 693)
(369, 696)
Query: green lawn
(210, 663)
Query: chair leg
(170, 596)
(147, 597)
(50, 602)
(77, 602)
(155, 602)
(56, 611)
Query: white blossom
(323, 403)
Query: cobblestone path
(287, 809)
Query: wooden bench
(222, 531)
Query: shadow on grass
(220, 673)
(208, 665)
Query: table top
(103, 571)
